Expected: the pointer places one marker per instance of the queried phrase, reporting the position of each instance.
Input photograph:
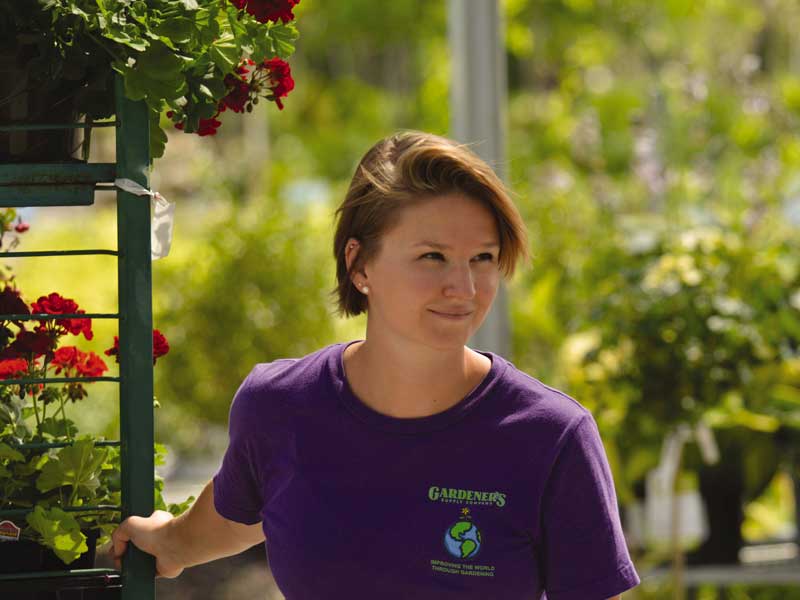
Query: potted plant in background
(699, 324)
(192, 58)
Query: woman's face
(440, 259)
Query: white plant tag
(707, 443)
(162, 217)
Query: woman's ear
(351, 250)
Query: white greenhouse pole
(478, 117)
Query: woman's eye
(484, 256)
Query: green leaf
(122, 37)
(180, 508)
(59, 427)
(60, 532)
(158, 137)
(10, 454)
(77, 466)
(225, 54)
(35, 464)
(156, 75)
(283, 38)
(178, 30)
(160, 453)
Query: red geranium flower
(279, 79)
(65, 359)
(74, 362)
(268, 10)
(29, 343)
(54, 304)
(11, 303)
(160, 346)
(90, 365)
(208, 126)
(238, 94)
(10, 368)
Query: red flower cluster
(160, 346)
(205, 127)
(30, 343)
(279, 79)
(239, 90)
(271, 79)
(268, 10)
(76, 363)
(11, 303)
(11, 368)
(54, 304)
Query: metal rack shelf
(72, 184)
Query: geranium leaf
(60, 532)
(177, 30)
(34, 465)
(283, 38)
(77, 465)
(225, 53)
(58, 427)
(9, 453)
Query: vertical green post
(135, 338)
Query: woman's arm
(197, 536)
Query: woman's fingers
(119, 541)
(120, 538)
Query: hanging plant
(192, 58)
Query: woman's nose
(461, 282)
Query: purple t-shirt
(505, 495)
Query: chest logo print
(459, 496)
(463, 538)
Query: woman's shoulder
(531, 401)
(283, 380)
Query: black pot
(24, 103)
(24, 557)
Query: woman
(407, 464)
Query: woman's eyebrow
(446, 247)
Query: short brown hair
(405, 169)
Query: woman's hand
(149, 534)
(197, 536)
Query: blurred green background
(653, 150)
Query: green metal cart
(73, 184)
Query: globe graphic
(462, 540)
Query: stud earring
(365, 289)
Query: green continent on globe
(467, 548)
(459, 529)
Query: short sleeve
(582, 548)
(237, 489)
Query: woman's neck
(396, 382)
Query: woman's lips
(452, 317)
